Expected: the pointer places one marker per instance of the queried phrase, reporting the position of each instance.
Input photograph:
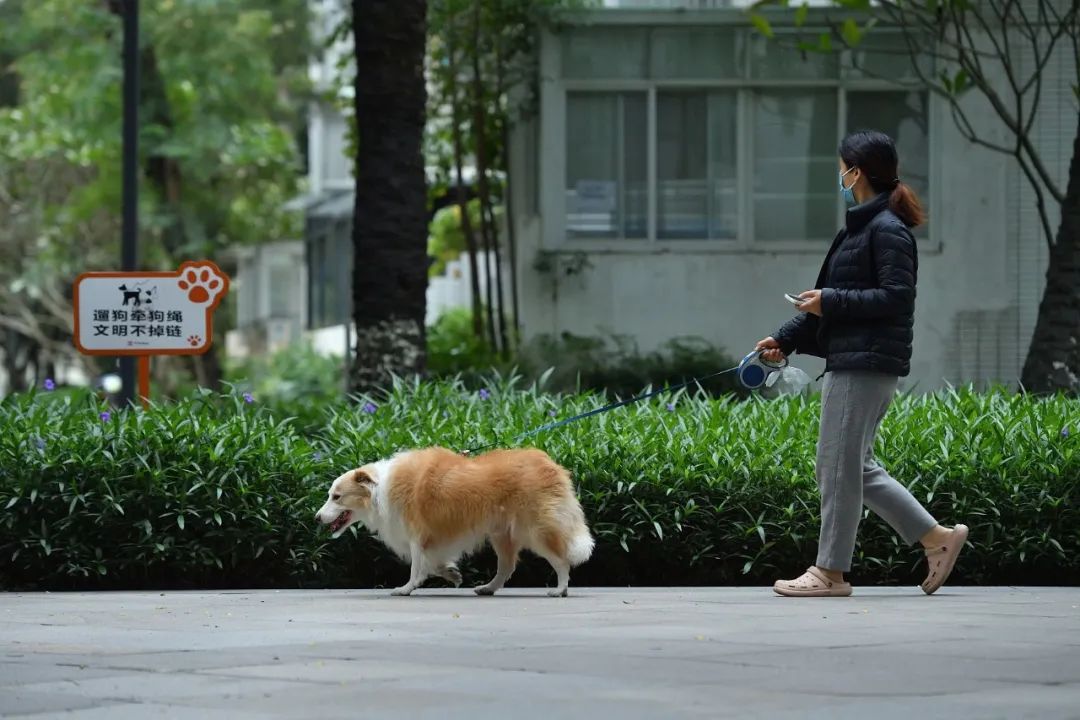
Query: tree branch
(963, 124)
(1040, 203)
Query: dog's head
(349, 500)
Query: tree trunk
(511, 236)
(502, 101)
(1053, 361)
(389, 222)
(208, 370)
(483, 189)
(17, 351)
(462, 196)
(504, 344)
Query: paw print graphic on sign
(200, 284)
(194, 340)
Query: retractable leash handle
(755, 370)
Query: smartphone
(793, 298)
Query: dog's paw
(402, 591)
(484, 590)
(556, 592)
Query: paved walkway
(599, 654)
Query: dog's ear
(363, 479)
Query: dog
(130, 295)
(432, 506)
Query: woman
(860, 319)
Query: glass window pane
(794, 170)
(887, 56)
(695, 165)
(724, 212)
(769, 60)
(337, 165)
(694, 53)
(283, 286)
(605, 165)
(681, 165)
(635, 180)
(604, 53)
(904, 116)
(591, 164)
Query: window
(742, 132)
(613, 53)
(905, 117)
(337, 165)
(794, 191)
(695, 53)
(329, 274)
(284, 285)
(695, 165)
(605, 165)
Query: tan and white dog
(432, 506)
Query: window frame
(553, 130)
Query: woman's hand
(811, 302)
(770, 349)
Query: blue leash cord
(606, 408)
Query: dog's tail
(580, 542)
(581, 546)
(565, 518)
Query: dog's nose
(318, 518)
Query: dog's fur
(431, 506)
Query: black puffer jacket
(867, 285)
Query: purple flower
(671, 407)
(316, 455)
(446, 413)
(551, 413)
(369, 408)
(484, 394)
(49, 384)
(1064, 432)
(249, 398)
(40, 443)
(105, 416)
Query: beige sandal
(812, 583)
(942, 559)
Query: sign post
(140, 314)
(129, 255)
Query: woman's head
(869, 166)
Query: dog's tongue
(340, 522)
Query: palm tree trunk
(1053, 361)
(389, 223)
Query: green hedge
(219, 491)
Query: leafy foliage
(219, 491)
(297, 383)
(572, 363)
(222, 88)
(446, 239)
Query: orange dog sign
(148, 313)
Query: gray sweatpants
(853, 404)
